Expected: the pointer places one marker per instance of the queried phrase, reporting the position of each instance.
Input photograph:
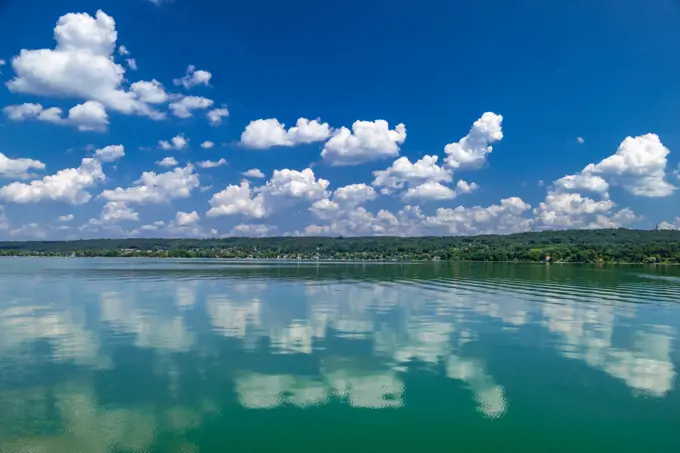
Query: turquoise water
(207, 356)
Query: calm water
(206, 356)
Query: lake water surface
(211, 356)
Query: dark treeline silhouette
(617, 245)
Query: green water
(207, 356)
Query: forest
(583, 246)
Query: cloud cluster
(18, 168)
(156, 188)
(286, 188)
(88, 116)
(81, 65)
(264, 134)
(69, 185)
(367, 141)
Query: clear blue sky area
(208, 118)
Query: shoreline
(341, 261)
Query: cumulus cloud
(254, 173)
(367, 141)
(18, 168)
(237, 200)
(252, 230)
(178, 142)
(215, 115)
(89, 116)
(572, 210)
(506, 217)
(267, 133)
(639, 166)
(156, 188)
(194, 77)
(402, 172)
(110, 153)
(424, 180)
(185, 219)
(207, 144)
(68, 185)
(150, 92)
(286, 188)
(167, 162)
(65, 218)
(354, 194)
(117, 211)
(673, 225)
(132, 63)
(184, 107)
(212, 164)
(471, 150)
(80, 66)
(429, 191)
(29, 231)
(585, 181)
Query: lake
(105, 355)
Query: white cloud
(110, 153)
(80, 66)
(572, 210)
(24, 111)
(286, 188)
(68, 185)
(582, 181)
(117, 211)
(674, 225)
(252, 230)
(237, 200)
(580, 140)
(89, 116)
(167, 162)
(150, 92)
(354, 194)
(156, 188)
(368, 141)
(178, 142)
(253, 173)
(30, 231)
(4, 223)
(18, 168)
(264, 134)
(122, 50)
(215, 115)
(183, 219)
(193, 78)
(212, 164)
(65, 218)
(471, 150)
(2, 62)
(639, 166)
(207, 144)
(429, 191)
(507, 217)
(184, 107)
(132, 63)
(402, 172)
(296, 184)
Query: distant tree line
(584, 246)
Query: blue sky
(429, 118)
